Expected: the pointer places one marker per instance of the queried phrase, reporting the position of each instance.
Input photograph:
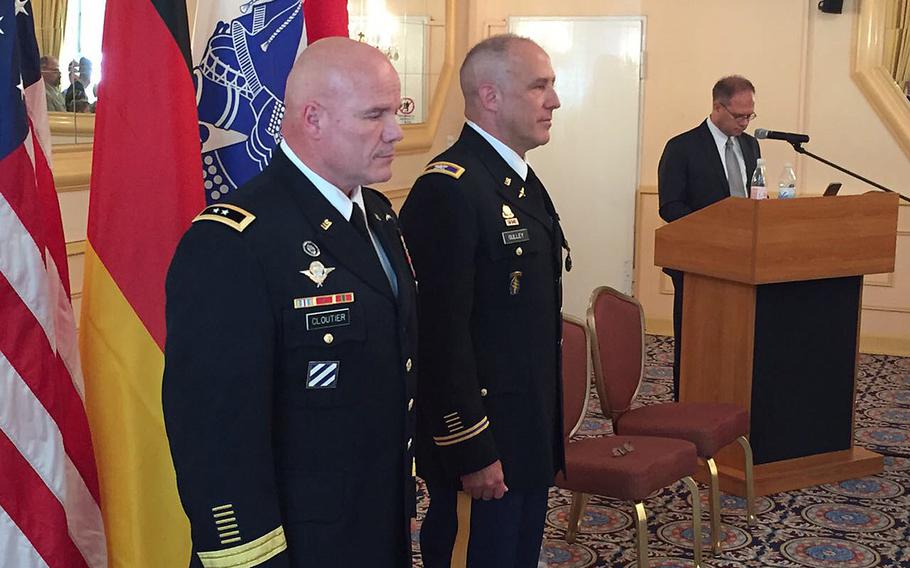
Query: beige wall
(407, 167)
(799, 60)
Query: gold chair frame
(580, 500)
(714, 482)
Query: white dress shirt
(509, 155)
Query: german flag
(146, 187)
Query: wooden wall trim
(397, 193)
(72, 167)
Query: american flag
(49, 497)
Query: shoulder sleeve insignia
(447, 168)
(231, 215)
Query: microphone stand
(798, 146)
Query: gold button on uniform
(408, 365)
(518, 251)
(483, 392)
(328, 338)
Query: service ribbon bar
(331, 299)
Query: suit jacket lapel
(709, 147)
(748, 157)
(509, 183)
(333, 232)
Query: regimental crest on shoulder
(447, 168)
(234, 217)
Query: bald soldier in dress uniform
(290, 356)
(487, 247)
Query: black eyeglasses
(739, 117)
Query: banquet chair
(616, 325)
(629, 468)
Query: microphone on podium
(762, 133)
(797, 140)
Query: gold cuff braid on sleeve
(462, 436)
(246, 555)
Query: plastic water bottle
(787, 184)
(758, 188)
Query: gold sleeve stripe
(247, 555)
(221, 508)
(227, 520)
(462, 436)
(223, 514)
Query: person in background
(291, 327)
(713, 161)
(80, 78)
(50, 71)
(487, 248)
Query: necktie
(734, 174)
(358, 219)
(360, 223)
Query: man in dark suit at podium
(712, 161)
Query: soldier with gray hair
(487, 247)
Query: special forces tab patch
(230, 215)
(322, 375)
(447, 168)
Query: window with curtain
(80, 52)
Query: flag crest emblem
(240, 81)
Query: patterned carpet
(858, 523)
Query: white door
(590, 166)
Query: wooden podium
(771, 315)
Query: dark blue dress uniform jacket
(272, 471)
(487, 248)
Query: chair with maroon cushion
(616, 324)
(629, 468)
